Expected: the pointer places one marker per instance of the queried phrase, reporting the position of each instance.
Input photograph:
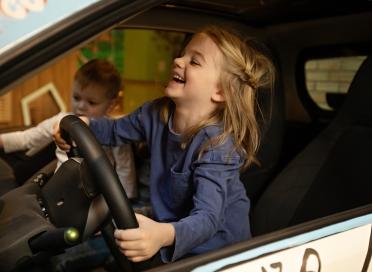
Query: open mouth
(178, 78)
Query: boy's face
(91, 101)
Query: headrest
(358, 103)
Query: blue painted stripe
(287, 243)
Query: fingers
(128, 245)
(85, 119)
(140, 218)
(132, 253)
(64, 147)
(135, 254)
(137, 259)
(128, 234)
(140, 243)
(60, 142)
(132, 244)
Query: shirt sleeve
(32, 139)
(211, 177)
(133, 127)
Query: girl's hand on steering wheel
(145, 241)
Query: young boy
(94, 94)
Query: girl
(200, 135)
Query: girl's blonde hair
(244, 71)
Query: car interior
(314, 166)
(330, 163)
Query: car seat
(332, 174)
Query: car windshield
(22, 20)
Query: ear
(218, 96)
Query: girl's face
(195, 77)
(91, 101)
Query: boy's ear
(218, 96)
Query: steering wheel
(104, 177)
(31, 222)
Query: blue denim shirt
(202, 197)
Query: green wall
(144, 58)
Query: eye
(76, 98)
(92, 103)
(194, 62)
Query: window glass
(20, 20)
(143, 57)
(327, 80)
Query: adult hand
(145, 241)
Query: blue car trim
(287, 243)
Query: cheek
(205, 78)
(73, 105)
(96, 111)
(213, 78)
(207, 83)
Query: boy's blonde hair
(244, 71)
(100, 72)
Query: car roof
(35, 51)
(269, 12)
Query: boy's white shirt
(32, 139)
(36, 138)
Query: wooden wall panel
(61, 74)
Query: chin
(169, 92)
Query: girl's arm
(114, 132)
(131, 128)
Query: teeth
(177, 77)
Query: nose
(81, 107)
(179, 62)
